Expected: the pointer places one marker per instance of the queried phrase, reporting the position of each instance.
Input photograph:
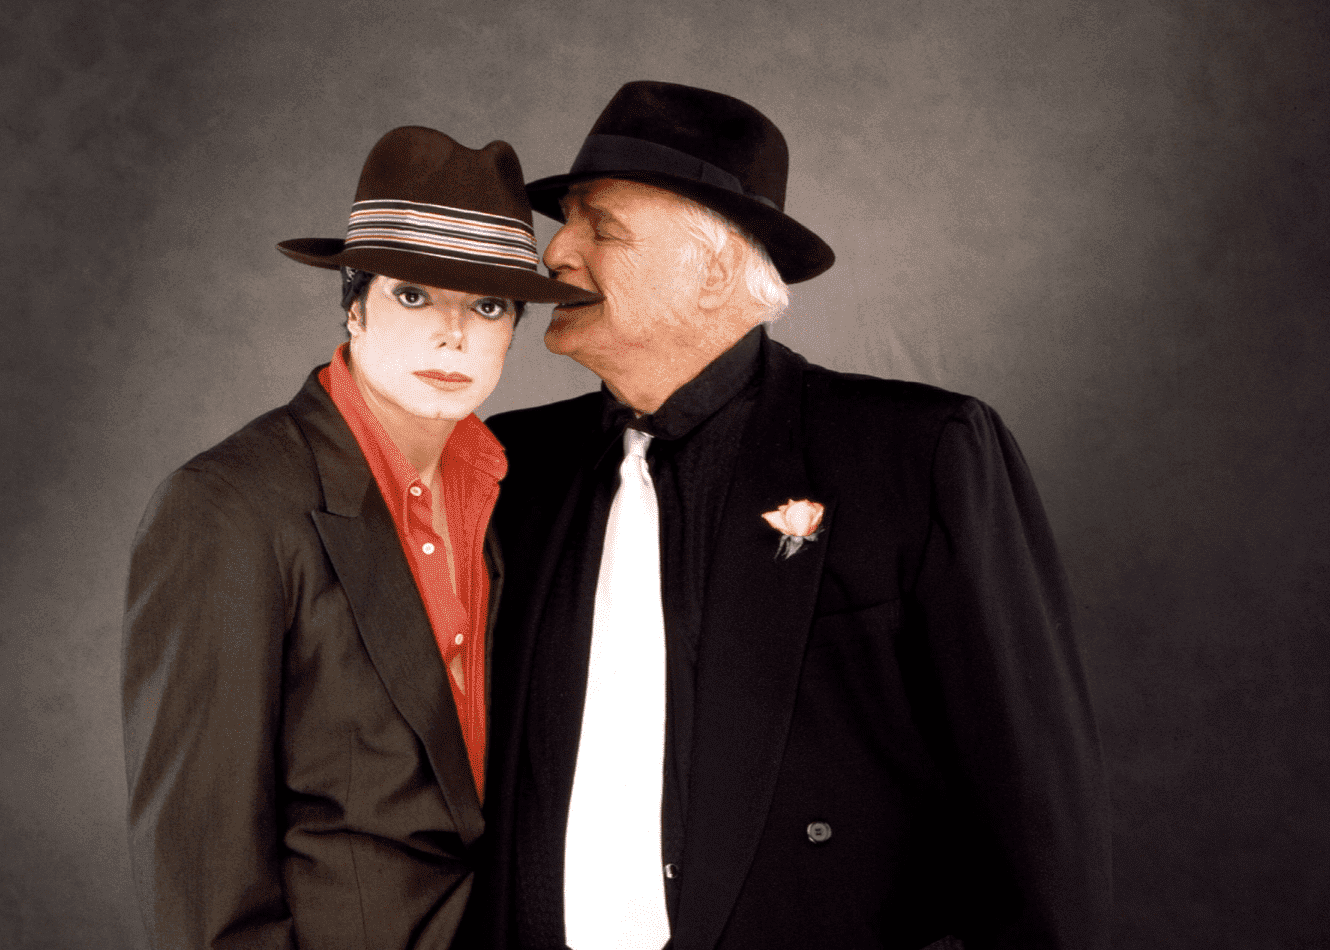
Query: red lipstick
(436, 376)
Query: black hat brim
(797, 252)
(515, 283)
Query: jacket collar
(343, 472)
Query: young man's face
(427, 354)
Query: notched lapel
(396, 632)
(361, 541)
(755, 625)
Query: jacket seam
(952, 417)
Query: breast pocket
(852, 691)
(853, 652)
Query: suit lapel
(361, 542)
(756, 618)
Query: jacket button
(818, 832)
(671, 871)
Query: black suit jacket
(908, 681)
(297, 773)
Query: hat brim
(515, 283)
(797, 252)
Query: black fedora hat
(704, 145)
(432, 211)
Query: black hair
(355, 287)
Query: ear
(355, 319)
(721, 277)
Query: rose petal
(803, 517)
(777, 520)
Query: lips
(435, 376)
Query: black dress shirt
(696, 435)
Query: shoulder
(856, 413)
(262, 471)
(871, 396)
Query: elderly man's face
(623, 240)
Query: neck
(420, 440)
(645, 378)
(645, 388)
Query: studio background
(1107, 218)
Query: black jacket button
(818, 832)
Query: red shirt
(470, 469)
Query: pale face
(425, 357)
(622, 239)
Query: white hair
(709, 231)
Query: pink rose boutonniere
(798, 521)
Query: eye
(412, 297)
(493, 308)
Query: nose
(559, 254)
(452, 328)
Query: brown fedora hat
(704, 145)
(438, 213)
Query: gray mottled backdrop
(1108, 218)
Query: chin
(567, 325)
(558, 337)
(442, 412)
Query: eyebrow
(578, 194)
(571, 199)
(597, 213)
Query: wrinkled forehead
(617, 196)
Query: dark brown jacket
(297, 774)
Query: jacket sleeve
(203, 639)
(1017, 731)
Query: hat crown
(424, 166)
(430, 210)
(721, 130)
(705, 146)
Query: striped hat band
(440, 231)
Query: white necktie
(614, 887)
